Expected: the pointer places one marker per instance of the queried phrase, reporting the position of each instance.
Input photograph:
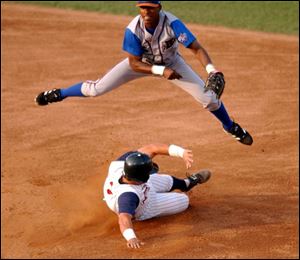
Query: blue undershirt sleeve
(183, 35)
(132, 44)
(128, 202)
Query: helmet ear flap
(155, 168)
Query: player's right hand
(171, 74)
(188, 158)
(134, 243)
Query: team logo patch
(182, 38)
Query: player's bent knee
(185, 201)
(212, 106)
(211, 103)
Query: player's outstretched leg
(56, 95)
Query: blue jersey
(159, 46)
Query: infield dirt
(55, 158)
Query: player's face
(150, 16)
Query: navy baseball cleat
(240, 134)
(47, 97)
(198, 178)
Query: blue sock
(222, 115)
(73, 91)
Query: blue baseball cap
(148, 3)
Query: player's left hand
(188, 158)
(171, 74)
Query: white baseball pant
(162, 202)
(123, 73)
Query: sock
(73, 91)
(178, 184)
(187, 182)
(223, 116)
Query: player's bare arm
(172, 150)
(126, 229)
(138, 66)
(200, 53)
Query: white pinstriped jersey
(113, 189)
(154, 196)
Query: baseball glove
(216, 83)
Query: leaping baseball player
(135, 191)
(151, 41)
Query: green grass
(267, 16)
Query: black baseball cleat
(47, 97)
(198, 178)
(240, 134)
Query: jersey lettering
(145, 191)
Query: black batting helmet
(138, 167)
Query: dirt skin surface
(55, 158)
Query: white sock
(187, 182)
